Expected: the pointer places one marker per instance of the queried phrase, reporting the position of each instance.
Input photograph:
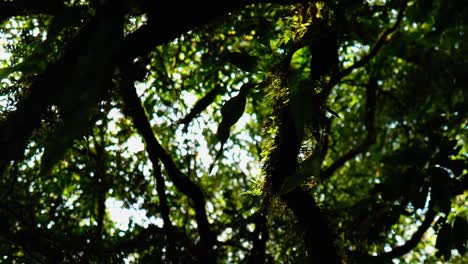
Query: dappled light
(237, 132)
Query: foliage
(243, 132)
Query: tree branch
(371, 98)
(282, 160)
(414, 240)
(201, 105)
(409, 245)
(317, 233)
(27, 7)
(186, 16)
(282, 163)
(382, 39)
(168, 228)
(102, 187)
(19, 125)
(156, 152)
(257, 253)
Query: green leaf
(460, 234)
(332, 112)
(300, 59)
(292, 182)
(231, 112)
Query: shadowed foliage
(239, 132)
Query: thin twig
(383, 38)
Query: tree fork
(156, 153)
(282, 161)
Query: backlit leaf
(231, 112)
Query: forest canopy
(237, 132)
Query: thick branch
(282, 161)
(20, 124)
(257, 253)
(156, 152)
(18, 127)
(170, 19)
(27, 7)
(317, 233)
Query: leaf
(460, 234)
(300, 59)
(444, 241)
(242, 61)
(231, 112)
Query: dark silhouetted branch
(282, 160)
(102, 188)
(282, 163)
(168, 228)
(258, 251)
(27, 7)
(156, 152)
(414, 240)
(369, 120)
(201, 105)
(45, 90)
(382, 39)
(408, 246)
(18, 127)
